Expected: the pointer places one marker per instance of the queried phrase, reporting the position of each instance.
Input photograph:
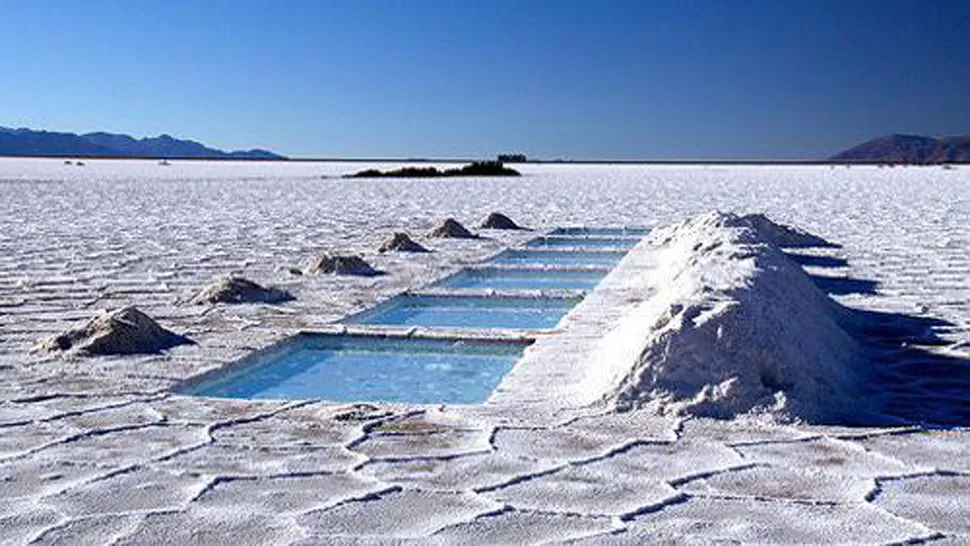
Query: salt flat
(97, 450)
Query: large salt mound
(121, 332)
(730, 325)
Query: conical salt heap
(497, 220)
(400, 242)
(239, 290)
(332, 264)
(449, 228)
(121, 332)
(729, 325)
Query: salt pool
(349, 368)
(602, 232)
(557, 257)
(525, 313)
(624, 243)
(379, 368)
(523, 279)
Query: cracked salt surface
(97, 450)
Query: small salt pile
(400, 242)
(239, 290)
(449, 228)
(332, 264)
(121, 332)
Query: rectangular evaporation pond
(523, 279)
(601, 232)
(519, 313)
(557, 257)
(349, 368)
(583, 242)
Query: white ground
(96, 450)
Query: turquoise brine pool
(602, 232)
(624, 243)
(523, 279)
(347, 368)
(376, 367)
(557, 257)
(523, 313)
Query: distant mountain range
(909, 149)
(28, 142)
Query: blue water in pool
(523, 279)
(602, 232)
(468, 312)
(557, 257)
(583, 242)
(358, 369)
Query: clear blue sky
(594, 79)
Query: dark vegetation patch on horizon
(477, 168)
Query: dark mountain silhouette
(909, 149)
(27, 142)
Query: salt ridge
(730, 325)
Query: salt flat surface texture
(97, 450)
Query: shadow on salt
(914, 375)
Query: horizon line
(558, 161)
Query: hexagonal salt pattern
(941, 500)
(758, 522)
(397, 514)
(97, 451)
